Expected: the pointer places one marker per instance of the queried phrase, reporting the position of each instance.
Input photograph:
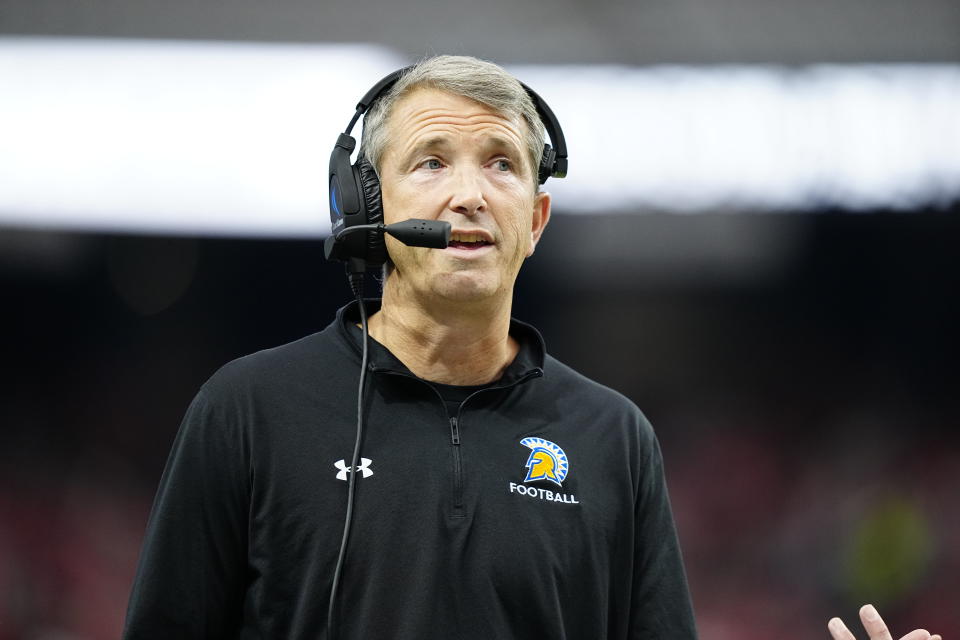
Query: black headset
(355, 188)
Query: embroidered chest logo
(363, 468)
(547, 461)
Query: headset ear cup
(546, 163)
(369, 184)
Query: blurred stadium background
(757, 243)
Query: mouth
(470, 240)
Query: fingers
(873, 623)
(838, 630)
(875, 627)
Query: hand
(875, 627)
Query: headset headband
(556, 166)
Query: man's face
(451, 158)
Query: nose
(467, 197)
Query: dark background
(536, 31)
(800, 368)
(808, 416)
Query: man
(500, 494)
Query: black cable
(356, 285)
(413, 232)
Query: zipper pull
(454, 431)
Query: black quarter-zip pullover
(538, 509)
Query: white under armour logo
(363, 468)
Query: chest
(497, 486)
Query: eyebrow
(501, 143)
(430, 144)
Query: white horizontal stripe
(688, 139)
(231, 138)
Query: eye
(504, 165)
(433, 164)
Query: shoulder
(577, 393)
(585, 389)
(608, 425)
(313, 358)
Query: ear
(541, 216)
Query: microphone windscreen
(434, 234)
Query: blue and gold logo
(547, 461)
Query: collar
(528, 362)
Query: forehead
(427, 112)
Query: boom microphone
(433, 234)
(414, 232)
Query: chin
(463, 287)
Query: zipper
(454, 432)
(458, 507)
(458, 511)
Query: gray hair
(479, 80)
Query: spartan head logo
(547, 461)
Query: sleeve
(661, 605)
(190, 579)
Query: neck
(446, 342)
